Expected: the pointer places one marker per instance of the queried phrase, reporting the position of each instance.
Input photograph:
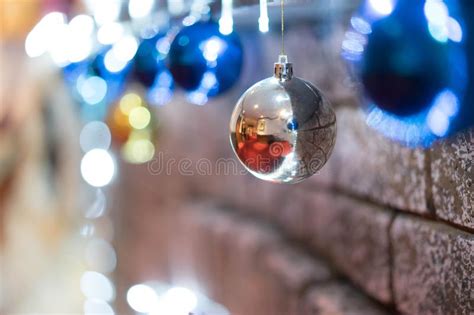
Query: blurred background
(120, 192)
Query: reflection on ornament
(411, 58)
(282, 128)
(133, 127)
(205, 62)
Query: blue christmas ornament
(97, 82)
(113, 66)
(410, 57)
(205, 62)
(466, 111)
(150, 70)
(148, 60)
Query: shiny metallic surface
(283, 130)
(283, 70)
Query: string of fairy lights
(95, 52)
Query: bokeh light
(41, 37)
(95, 135)
(226, 22)
(133, 127)
(382, 7)
(98, 206)
(100, 256)
(121, 53)
(130, 101)
(110, 33)
(142, 298)
(140, 8)
(161, 92)
(96, 307)
(263, 21)
(92, 89)
(87, 230)
(65, 42)
(98, 167)
(95, 285)
(79, 40)
(445, 106)
(183, 296)
(177, 301)
(104, 11)
(138, 150)
(139, 117)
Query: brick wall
(382, 229)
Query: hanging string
(282, 2)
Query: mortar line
(391, 260)
(429, 184)
(367, 199)
(305, 247)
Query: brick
(260, 198)
(452, 172)
(339, 298)
(231, 190)
(372, 166)
(222, 254)
(217, 261)
(433, 268)
(140, 181)
(354, 236)
(191, 249)
(180, 254)
(196, 256)
(323, 178)
(292, 272)
(292, 216)
(142, 214)
(246, 278)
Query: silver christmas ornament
(283, 129)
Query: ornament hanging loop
(283, 69)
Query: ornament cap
(283, 69)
